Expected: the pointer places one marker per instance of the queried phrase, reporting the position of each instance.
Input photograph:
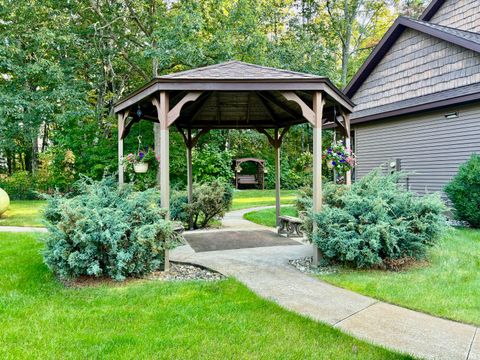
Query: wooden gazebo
(256, 179)
(234, 95)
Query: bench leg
(281, 227)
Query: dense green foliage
(447, 286)
(106, 231)
(376, 221)
(41, 318)
(64, 64)
(210, 201)
(464, 192)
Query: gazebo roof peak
(238, 70)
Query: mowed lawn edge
(447, 285)
(39, 317)
(23, 213)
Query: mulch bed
(177, 272)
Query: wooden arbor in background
(233, 95)
(257, 179)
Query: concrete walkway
(17, 229)
(266, 271)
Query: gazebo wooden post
(164, 162)
(277, 145)
(348, 145)
(189, 173)
(318, 103)
(121, 126)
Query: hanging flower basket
(339, 158)
(140, 167)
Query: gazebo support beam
(348, 145)
(162, 151)
(122, 116)
(190, 143)
(276, 142)
(318, 103)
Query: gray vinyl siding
(459, 14)
(428, 144)
(416, 65)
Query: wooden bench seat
(247, 180)
(290, 226)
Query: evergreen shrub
(210, 201)
(375, 222)
(107, 231)
(464, 192)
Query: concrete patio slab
(228, 240)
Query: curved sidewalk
(266, 271)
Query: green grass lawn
(449, 286)
(23, 213)
(40, 318)
(267, 216)
(244, 199)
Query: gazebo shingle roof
(238, 70)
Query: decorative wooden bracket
(276, 143)
(174, 113)
(307, 112)
(190, 141)
(125, 128)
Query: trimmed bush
(210, 201)
(464, 192)
(375, 222)
(21, 185)
(106, 231)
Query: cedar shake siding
(459, 14)
(428, 144)
(416, 65)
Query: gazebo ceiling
(236, 95)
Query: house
(417, 96)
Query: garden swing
(256, 179)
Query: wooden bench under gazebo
(256, 179)
(234, 95)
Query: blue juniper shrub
(210, 201)
(107, 231)
(375, 222)
(464, 192)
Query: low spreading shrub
(464, 192)
(376, 221)
(210, 201)
(106, 231)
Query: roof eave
(306, 84)
(436, 105)
(431, 10)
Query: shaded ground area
(229, 240)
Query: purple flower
(141, 155)
(334, 163)
(342, 161)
